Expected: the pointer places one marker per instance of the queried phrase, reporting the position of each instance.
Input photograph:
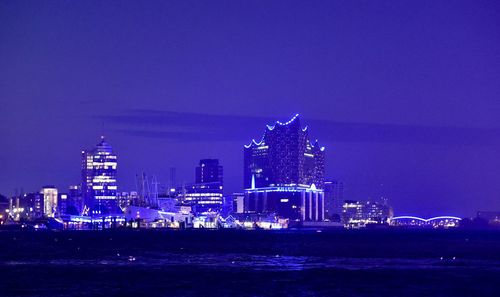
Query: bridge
(435, 222)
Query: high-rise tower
(99, 179)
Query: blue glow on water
(264, 262)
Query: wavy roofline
(278, 123)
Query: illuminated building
(357, 214)
(209, 171)
(202, 198)
(206, 194)
(334, 198)
(49, 201)
(99, 179)
(296, 203)
(284, 173)
(284, 156)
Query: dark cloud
(185, 126)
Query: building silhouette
(334, 199)
(209, 171)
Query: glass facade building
(284, 173)
(99, 188)
(284, 156)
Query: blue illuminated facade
(284, 173)
(284, 156)
(99, 187)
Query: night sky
(404, 95)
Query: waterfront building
(50, 196)
(284, 173)
(334, 198)
(356, 214)
(202, 198)
(99, 188)
(206, 194)
(209, 171)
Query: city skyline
(404, 99)
(214, 174)
(249, 148)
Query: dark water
(250, 263)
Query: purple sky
(401, 93)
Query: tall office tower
(99, 179)
(334, 199)
(209, 171)
(49, 201)
(284, 173)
